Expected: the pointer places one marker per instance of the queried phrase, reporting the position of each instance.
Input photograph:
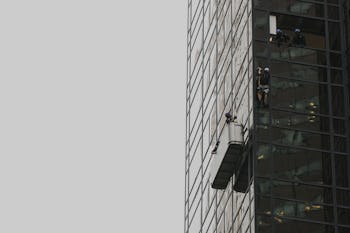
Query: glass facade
(295, 176)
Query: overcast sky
(92, 116)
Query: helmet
(297, 30)
(266, 69)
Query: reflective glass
(262, 132)
(260, 49)
(343, 230)
(339, 126)
(300, 121)
(292, 6)
(263, 205)
(338, 98)
(340, 144)
(335, 59)
(333, 12)
(299, 138)
(307, 193)
(263, 156)
(341, 170)
(263, 116)
(260, 24)
(303, 55)
(263, 224)
(312, 29)
(343, 197)
(299, 96)
(263, 186)
(292, 226)
(334, 36)
(303, 210)
(303, 72)
(344, 216)
(302, 165)
(336, 76)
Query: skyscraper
(267, 116)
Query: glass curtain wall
(302, 136)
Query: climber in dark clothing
(280, 37)
(259, 93)
(264, 88)
(298, 39)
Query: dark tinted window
(300, 121)
(303, 55)
(260, 24)
(302, 192)
(263, 224)
(312, 29)
(263, 186)
(338, 101)
(340, 144)
(299, 96)
(303, 72)
(344, 216)
(336, 76)
(299, 138)
(302, 165)
(339, 126)
(263, 156)
(303, 210)
(341, 170)
(289, 226)
(334, 36)
(292, 6)
(343, 197)
(335, 59)
(333, 12)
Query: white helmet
(266, 69)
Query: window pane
(343, 230)
(292, 6)
(338, 101)
(334, 36)
(263, 205)
(263, 224)
(260, 49)
(300, 121)
(291, 226)
(303, 72)
(260, 24)
(336, 60)
(341, 170)
(303, 210)
(344, 216)
(336, 76)
(343, 197)
(312, 29)
(340, 144)
(263, 186)
(302, 192)
(299, 96)
(339, 126)
(302, 165)
(263, 154)
(299, 138)
(303, 55)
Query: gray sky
(92, 116)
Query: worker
(280, 37)
(299, 38)
(264, 86)
(259, 93)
